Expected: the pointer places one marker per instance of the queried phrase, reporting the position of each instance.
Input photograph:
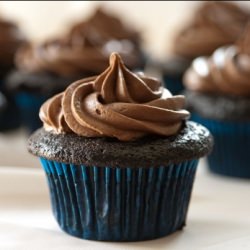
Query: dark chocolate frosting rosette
(117, 103)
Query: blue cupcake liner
(230, 155)
(29, 105)
(173, 83)
(120, 204)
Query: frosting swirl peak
(117, 103)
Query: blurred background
(157, 22)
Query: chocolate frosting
(117, 103)
(62, 58)
(100, 28)
(215, 24)
(10, 39)
(226, 71)
(84, 50)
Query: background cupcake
(116, 149)
(11, 38)
(106, 33)
(219, 96)
(214, 24)
(46, 69)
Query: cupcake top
(100, 28)
(117, 103)
(10, 39)
(225, 72)
(215, 24)
(84, 51)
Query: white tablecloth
(219, 216)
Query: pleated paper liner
(230, 155)
(120, 204)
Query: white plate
(219, 216)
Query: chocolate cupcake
(120, 158)
(218, 93)
(214, 24)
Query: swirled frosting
(214, 24)
(10, 39)
(117, 103)
(226, 71)
(84, 50)
(61, 58)
(100, 28)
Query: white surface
(219, 216)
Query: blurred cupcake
(10, 39)
(42, 71)
(214, 24)
(219, 96)
(106, 33)
(120, 158)
(46, 69)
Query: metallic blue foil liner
(29, 105)
(230, 155)
(173, 84)
(120, 204)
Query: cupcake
(46, 69)
(213, 25)
(218, 93)
(10, 39)
(106, 33)
(119, 156)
